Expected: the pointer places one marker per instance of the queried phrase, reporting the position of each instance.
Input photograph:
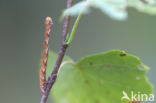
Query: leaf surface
(115, 9)
(101, 78)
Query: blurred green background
(21, 42)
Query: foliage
(99, 78)
(116, 9)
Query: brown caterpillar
(48, 27)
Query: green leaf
(51, 62)
(116, 9)
(148, 7)
(101, 78)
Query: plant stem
(74, 29)
(62, 50)
(66, 23)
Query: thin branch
(66, 23)
(53, 76)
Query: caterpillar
(48, 27)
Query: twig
(53, 76)
(66, 23)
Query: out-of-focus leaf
(51, 62)
(101, 78)
(148, 7)
(115, 9)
